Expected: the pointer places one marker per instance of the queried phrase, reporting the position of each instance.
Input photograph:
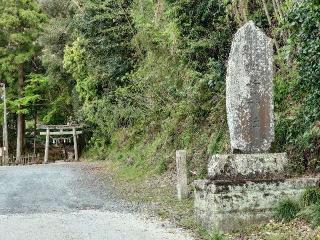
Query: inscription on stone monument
(249, 91)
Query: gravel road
(68, 201)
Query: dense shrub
(298, 123)
(310, 196)
(287, 210)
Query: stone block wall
(229, 205)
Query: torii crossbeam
(61, 130)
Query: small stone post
(75, 144)
(46, 151)
(182, 179)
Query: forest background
(148, 77)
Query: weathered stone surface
(228, 205)
(244, 188)
(182, 177)
(247, 166)
(249, 91)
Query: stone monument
(249, 91)
(244, 187)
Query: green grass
(311, 214)
(287, 210)
(216, 235)
(310, 196)
(307, 208)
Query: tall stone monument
(249, 91)
(244, 187)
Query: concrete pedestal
(230, 198)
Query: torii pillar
(46, 151)
(75, 144)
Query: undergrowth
(307, 207)
(287, 210)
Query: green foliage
(159, 73)
(287, 210)
(298, 85)
(107, 30)
(216, 235)
(216, 145)
(163, 166)
(75, 62)
(310, 196)
(154, 71)
(307, 208)
(58, 32)
(137, 78)
(33, 94)
(312, 214)
(310, 200)
(20, 25)
(99, 60)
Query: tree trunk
(21, 117)
(265, 7)
(5, 129)
(35, 131)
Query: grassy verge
(158, 193)
(279, 230)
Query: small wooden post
(46, 151)
(182, 179)
(75, 144)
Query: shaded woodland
(148, 77)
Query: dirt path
(68, 201)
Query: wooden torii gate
(60, 130)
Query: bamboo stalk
(265, 8)
(276, 13)
(279, 9)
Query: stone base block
(247, 166)
(230, 205)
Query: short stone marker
(182, 177)
(249, 91)
(243, 187)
